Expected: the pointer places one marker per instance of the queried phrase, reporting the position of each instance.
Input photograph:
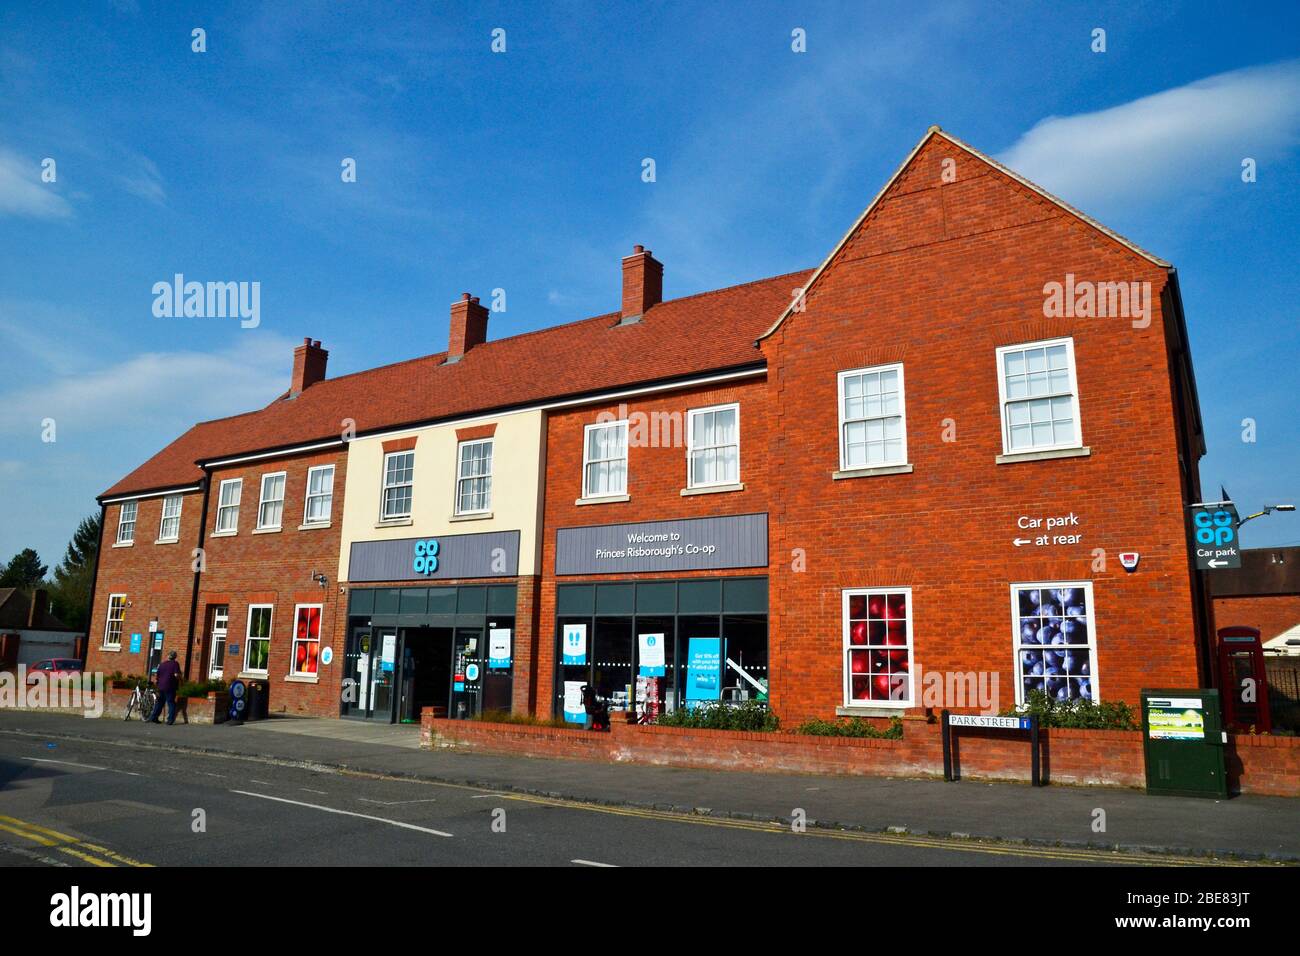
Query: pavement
(1117, 820)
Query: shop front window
(672, 655)
(612, 662)
(1054, 641)
(878, 647)
(306, 639)
(744, 671)
(257, 644)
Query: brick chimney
(308, 366)
(468, 326)
(643, 284)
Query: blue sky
(521, 170)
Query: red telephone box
(1241, 665)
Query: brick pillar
(524, 652)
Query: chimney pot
(309, 361)
(469, 321)
(643, 283)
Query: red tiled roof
(687, 336)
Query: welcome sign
(691, 544)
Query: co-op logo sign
(1214, 527)
(425, 559)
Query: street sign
(976, 720)
(950, 722)
(1214, 535)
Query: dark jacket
(169, 676)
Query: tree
(74, 578)
(24, 571)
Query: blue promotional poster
(651, 655)
(575, 643)
(703, 670)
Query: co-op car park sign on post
(1214, 535)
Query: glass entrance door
(369, 668)
(468, 660)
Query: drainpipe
(198, 576)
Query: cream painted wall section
(518, 467)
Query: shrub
(715, 715)
(1077, 714)
(200, 688)
(507, 717)
(853, 727)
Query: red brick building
(219, 556)
(961, 459)
(947, 464)
(960, 447)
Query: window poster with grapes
(1055, 641)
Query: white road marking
(346, 813)
(84, 766)
(31, 855)
(394, 803)
(611, 866)
(310, 790)
(480, 796)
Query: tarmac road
(92, 803)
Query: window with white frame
(306, 639)
(873, 420)
(113, 624)
(399, 476)
(228, 496)
(474, 477)
(270, 507)
(1040, 397)
(604, 460)
(220, 627)
(1056, 649)
(257, 641)
(126, 522)
(713, 446)
(320, 495)
(878, 647)
(169, 529)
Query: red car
(54, 667)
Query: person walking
(169, 681)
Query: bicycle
(143, 699)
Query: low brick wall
(1262, 765)
(200, 710)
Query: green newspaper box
(1183, 741)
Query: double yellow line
(90, 853)
(916, 841)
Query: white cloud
(1188, 139)
(154, 393)
(140, 176)
(23, 194)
